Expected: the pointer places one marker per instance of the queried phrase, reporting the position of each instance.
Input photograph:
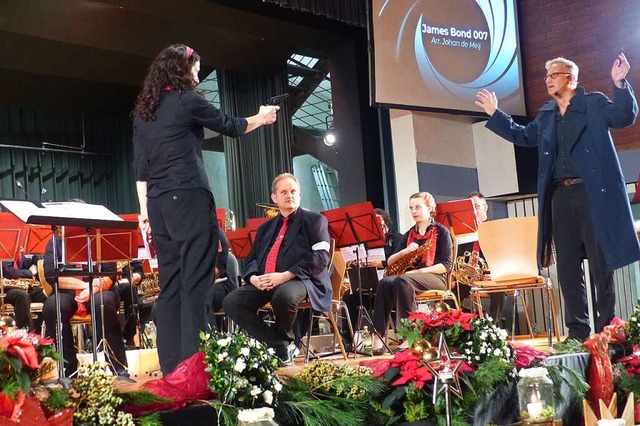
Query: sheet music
(349, 253)
(371, 255)
(70, 210)
(376, 255)
(467, 238)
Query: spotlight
(330, 137)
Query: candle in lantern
(535, 410)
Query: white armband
(322, 245)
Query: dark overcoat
(594, 156)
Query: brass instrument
(149, 288)
(229, 220)
(20, 283)
(270, 210)
(470, 267)
(403, 264)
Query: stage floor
(539, 343)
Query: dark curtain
(352, 12)
(100, 175)
(254, 159)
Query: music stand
(357, 225)
(240, 242)
(37, 238)
(9, 241)
(458, 216)
(89, 216)
(107, 246)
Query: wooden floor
(539, 343)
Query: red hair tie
(189, 51)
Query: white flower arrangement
(242, 370)
(633, 328)
(487, 341)
(256, 416)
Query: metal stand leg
(362, 313)
(62, 378)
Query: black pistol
(277, 100)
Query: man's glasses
(554, 75)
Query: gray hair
(573, 68)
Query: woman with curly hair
(174, 194)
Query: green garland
(327, 394)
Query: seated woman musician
(421, 262)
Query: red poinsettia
(446, 319)
(525, 355)
(21, 348)
(631, 363)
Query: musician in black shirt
(174, 194)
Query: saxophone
(406, 262)
(20, 283)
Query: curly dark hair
(386, 217)
(172, 67)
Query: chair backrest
(233, 270)
(451, 276)
(332, 250)
(339, 269)
(510, 246)
(47, 288)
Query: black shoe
(578, 338)
(285, 359)
(378, 352)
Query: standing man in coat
(582, 197)
(287, 264)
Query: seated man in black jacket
(288, 264)
(74, 292)
(22, 299)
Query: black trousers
(400, 291)
(183, 223)
(127, 294)
(575, 239)
(21, 301)
(242, 305)
(68, 307)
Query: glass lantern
(535, 394)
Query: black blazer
(296, 254)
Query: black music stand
(88, 216)
(357, 225)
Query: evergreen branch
(559, 375)
(313, 412)
(490, 374)
(149, 420)
(140, 398)
(58, 399)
